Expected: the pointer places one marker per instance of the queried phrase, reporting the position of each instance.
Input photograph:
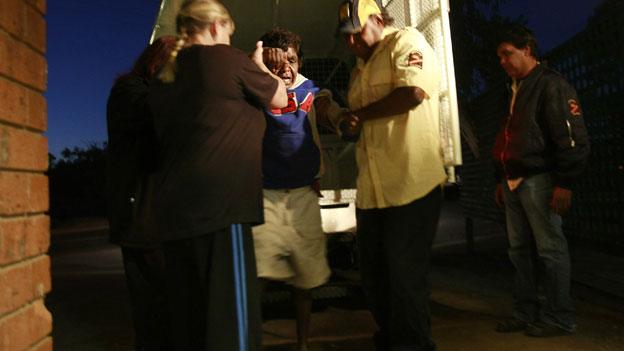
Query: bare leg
(303, 305)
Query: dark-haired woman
(132, 150)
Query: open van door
(328, 62)
(431, 18)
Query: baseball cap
(353, 14)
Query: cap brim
(347, 28)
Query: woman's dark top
(132, 151)
(209, 123)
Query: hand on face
(274, 58)
(284, 64)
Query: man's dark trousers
(395, 250)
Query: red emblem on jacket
(575, 108)
(415, 58)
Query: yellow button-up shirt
(399, 157)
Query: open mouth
(287, 79)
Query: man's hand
(498, 195)
(350, 123)
(274, 58)
(350, 126)
(561, 200)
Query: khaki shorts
(290, 246)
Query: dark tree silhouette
(78, 182)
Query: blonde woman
(208, 117)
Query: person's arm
(280, 97)
(328, 112)
(399, 101)
(566, 130)
(127, 109)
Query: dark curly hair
(520, 37)
(282, 38)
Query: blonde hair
(193, 17)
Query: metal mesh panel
(424, 9)
(428, 16)
(591, 63)
(399, 11)
(329, 73)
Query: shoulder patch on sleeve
(575, 108)
(415, 58)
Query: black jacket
(132, 151)
(545, 132)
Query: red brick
(15, 287)
(24, 237)
(22, 63)
(23, 283)
(25, 328)
(41, 322)
(12, 16)
(35, 33)
(38, 235)
(41, 277)
(13, 102)
(23, 150)
(40, 5)
(14, 331)
(39, 194)
(23, 106)
(24, 21)
(44, 345)
(14, 190)
(22, 193)
(37, 111)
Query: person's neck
(370, 52)
(530, 68)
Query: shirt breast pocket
(380, 83)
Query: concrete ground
(470, 293)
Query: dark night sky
(553, 21)
(90, 42)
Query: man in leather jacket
(540, 151)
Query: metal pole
(156, 25)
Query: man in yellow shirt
(393, 101)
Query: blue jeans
(534, 231)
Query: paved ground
(470, 292)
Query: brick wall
(25, 323)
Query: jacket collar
(536, 72)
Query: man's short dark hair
(282, 38)
(520, 37)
